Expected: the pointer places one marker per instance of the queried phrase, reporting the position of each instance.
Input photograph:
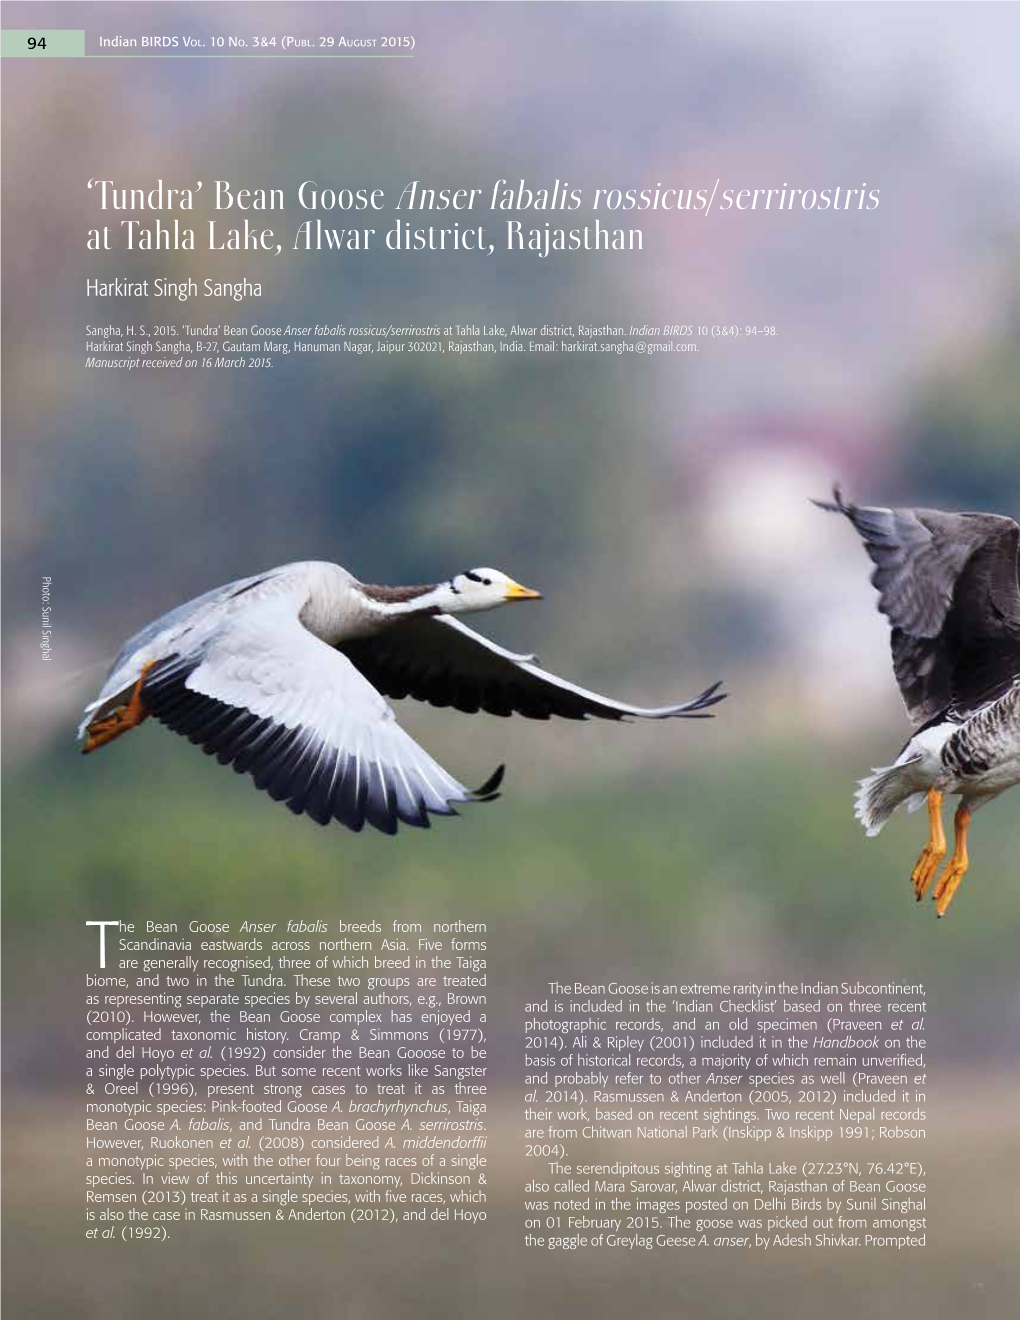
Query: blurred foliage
(750, 865)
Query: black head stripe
(472, 576)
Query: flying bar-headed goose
(284, 676)
(949, 585)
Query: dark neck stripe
(396, 595)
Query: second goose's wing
(440, 661)
(274, 701)
(948, 584)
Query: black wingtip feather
(695, 709)
(488, 791)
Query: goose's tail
(888, 788)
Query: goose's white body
(977, 759)
(283, 675)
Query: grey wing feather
(441, 661)
(948, 584)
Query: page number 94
(37, 43)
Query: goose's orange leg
(958, 863)
(119, 721)
(934, 850)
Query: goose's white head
(482, 589)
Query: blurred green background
(661, 504)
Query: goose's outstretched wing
(271, 699)
(440, 661)
(948, 584)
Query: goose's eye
(486, 582)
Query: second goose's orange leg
(934, 850)
(958, 863)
